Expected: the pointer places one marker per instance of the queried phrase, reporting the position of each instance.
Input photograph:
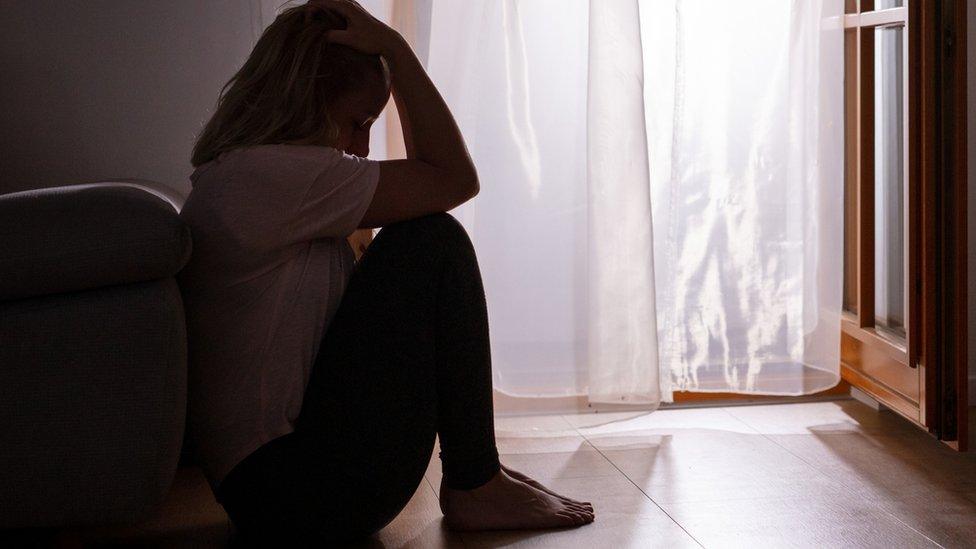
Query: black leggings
(406, 356)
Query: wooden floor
(824, 474)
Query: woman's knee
(437, 221)
(437, 227)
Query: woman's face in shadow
(355, 112)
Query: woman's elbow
(473, 187)
(465, 187)
(455, 188)
(472, 182)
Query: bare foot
(508, 503)
(535, 484)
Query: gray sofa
(92, 353)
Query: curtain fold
(622, 356)
(515, 76)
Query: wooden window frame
(870, 356)
(925, 378)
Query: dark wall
(107, 89)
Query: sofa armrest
(93, 401)
(66, 239)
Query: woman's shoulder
(274, 162)
(277, 156)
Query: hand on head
(363, 32)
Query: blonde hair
(285, 88)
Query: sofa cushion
(93, 401)
(66, 239)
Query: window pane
(885, 4)
(850, 170)
(889, 179)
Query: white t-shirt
(269, 265)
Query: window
(880, 211)
(904, 327)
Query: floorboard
(813, 474)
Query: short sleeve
(335, 199)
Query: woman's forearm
(429, 130)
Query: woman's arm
(429, 130)
(438, 173)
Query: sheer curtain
(661, 189)
(622, 360)
(745, 123)
(562, 225)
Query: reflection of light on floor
(841, 416)
(824, 474)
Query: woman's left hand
(363, 32)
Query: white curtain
(515, 75)
(622, 361)
(661, 189)
(745, 106)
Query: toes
(583, 508)
(582, 515)
(535, 484)
(576, 507)
(586, 505)
(560, 497)
(567, 518)
(587, 512)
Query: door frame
(937, 168)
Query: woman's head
(296, 87)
